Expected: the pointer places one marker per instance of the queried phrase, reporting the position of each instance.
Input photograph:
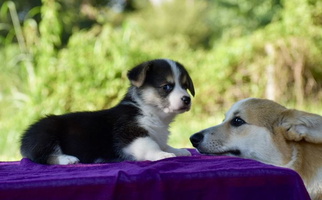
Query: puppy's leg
(62, 160)
(58, 158)
(177, 152)
(302, 126)
(145, 148)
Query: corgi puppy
(135, 129)
(263, 130)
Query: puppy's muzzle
(196, 139)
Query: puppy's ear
(301, 125)
(191, 87)
(188, 79)
(137, 74)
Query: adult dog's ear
(137, 74)
(301, 125)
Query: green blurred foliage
(63, 56)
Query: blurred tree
(24, 10)
(235, 18)
(73, 14)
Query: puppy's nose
(196, 139)
(186, 100)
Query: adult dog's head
(263, 130)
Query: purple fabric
(195, 177)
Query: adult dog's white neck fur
(292, 162)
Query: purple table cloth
(196, 177)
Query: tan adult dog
(263, 130)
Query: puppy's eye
(168, 88)
(237, 121)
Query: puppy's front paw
(178, 152)
(62, 160)
(162, 155)
(182, 152)
(69, 160)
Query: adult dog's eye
(237, 121)
(168, 88)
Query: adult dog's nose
(196, 139)
(186, 100)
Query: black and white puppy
(135, 129)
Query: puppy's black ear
(138, 73)
(191, 87)
(188, 79)
(301, 125)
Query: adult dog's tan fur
(271, 134)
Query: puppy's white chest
(157, 129)
(160, 135)
(157, 132)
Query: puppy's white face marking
(165, 87)
(175, 98)
(146, 148)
